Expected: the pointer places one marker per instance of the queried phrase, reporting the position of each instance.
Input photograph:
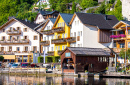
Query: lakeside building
(19, 41)
(43, 15)
(81, 59)
(119, 36)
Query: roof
(53, 20)
(51, 12)
(89, 51)
(43, 12)
(127, 22)
(102, 21)
(66, 17)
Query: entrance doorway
(85, 68)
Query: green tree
(122, 53)
(1, 58)
(101, 9)
(40, 59)
(73, 8)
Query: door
(10, 48)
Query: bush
(1, 58)
(40, 59)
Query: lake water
(32, 80)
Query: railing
(71, 39)
(50, 53)
(13, 52)
(58, 41)
(48, 32)
(58, 29)
(59, 52)
(117, 49)
(45, 43)
(23, 41)
(13, 32)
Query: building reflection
(66, 80)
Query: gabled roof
(121, 22)
(30, 25)
(50, 19)
(88, 51)
(51, 12)
(102, 21)
(44, 12)
(66, 17)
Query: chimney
(106, 17)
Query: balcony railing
(50, 53)
(13, 32)
(45, 43)
(8, 42)
(58, 29)
(48, 32)
(117, 49)
(59, 52)
(58, 41)
(13, 52)
(71, 39)
(118, 37)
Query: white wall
(50, 37)
(77, 27)
(125, 9)
(43, 2)
(89, 37)
(39, 19)
(30, 33)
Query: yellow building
(61, 31)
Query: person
(52, 66)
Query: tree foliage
(40, 59)
(122, 53)
(1, 58)
(73, 8)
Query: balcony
(11, 42)
(58, 29)
(118, 37)
(71, 39)
(48, 32)
(50, 53)
(58, 41)
(117, 50)
(45, 43)
(59, 52)
(13, 32)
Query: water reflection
(33, 80)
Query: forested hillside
(18, 8)
(22, 9)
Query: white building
(19, 41)
(40, 2)
(92, 30)
(125, 9)
(48, 35)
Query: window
(51, 37)
(18, 28)
(128, 32)
(52, 49)
(62, 47)
(63, 24)
(65, 35)
(71, 34)
(128, 44)
(26, 48)
(2, 49)
(114, 44)
(74, 34)
(18, 48)
(35, 37)
(58, 47)
(25, 29)
(17, 38)
(47, 48)
(47, 37)
(10, 48)
(78, 45)
(56, 37)
(81, 33)
(11, 28)
(58, 24)
(3, 38)
(65, 46)
(44, 48)
(78, 33)
(75, 22)
(34, 48)
(122, 45)
(3, 30)
(25, 37)
(74, 45)
(44, 38)
(62, 35)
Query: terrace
(13, 32)
(58, 29)
(58, 41)
(45, 43)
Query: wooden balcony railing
(10, 42)
(58, 29)
(71, 39)
(50, 53)
(59, 52)
(48, 32)
(13, 32)
(118, 49)
(58, 41)
(45, 43)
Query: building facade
(92, 30)
(16, 44)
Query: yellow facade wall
(66, 33)
(9, 56)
